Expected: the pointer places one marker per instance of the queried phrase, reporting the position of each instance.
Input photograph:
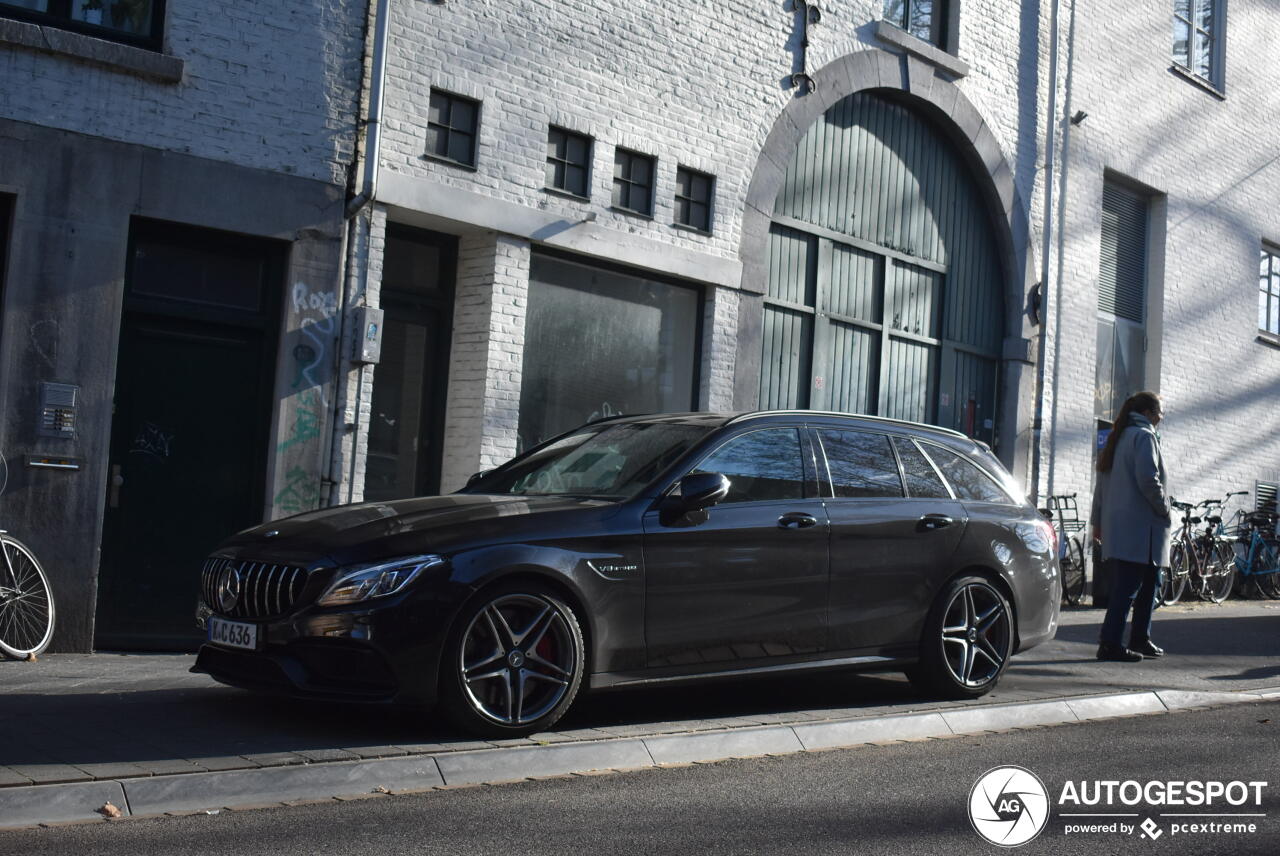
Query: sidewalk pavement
(141, 732)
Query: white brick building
(711, 90)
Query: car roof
(713, 419)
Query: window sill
(113, 55)
(450, 162)
(1191, 77)
(1269, 339)
(921, 49)
(685, 227)
(567, 194)
(631, 213)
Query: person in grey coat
(1131, 518)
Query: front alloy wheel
(515, 662)
(968, 640)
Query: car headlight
(380, 580)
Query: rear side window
(965, 479)
(763, 465)
(861, 464)
(922, 479)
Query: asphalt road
(902, 798)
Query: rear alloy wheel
(968, 640)
(514, 662)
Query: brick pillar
(720, 348)
(355, 385)
(483, 410)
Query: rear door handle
(797, 519)
(933, 521)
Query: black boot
(1118, 654)
(1146, 648)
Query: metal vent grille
(1265, 493)
(1122, 271)
(264, 590)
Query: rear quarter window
(966, 479)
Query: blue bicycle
(1257, 555)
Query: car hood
(372, 531)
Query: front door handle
(934, 521)
(797, 519)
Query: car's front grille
(262, 590)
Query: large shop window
(135, 22)
(601, 343)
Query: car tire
(513, 662)
(967, 640)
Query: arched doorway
(885, 282)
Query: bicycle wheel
(1073, 578)
(1173, 583)
(1220, 573)
(1263, 577)
(26, 601)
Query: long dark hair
(1139, 402)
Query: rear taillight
(1050, 533)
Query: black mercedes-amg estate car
(643, 550)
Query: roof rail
(905, 422)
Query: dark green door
(189, 432)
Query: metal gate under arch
(885, 284)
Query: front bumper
(389, 654)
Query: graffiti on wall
(308, 411)
(301, 492)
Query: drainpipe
(1046, 244)
(367, 193)
(373, 124)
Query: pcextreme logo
(1008, 806)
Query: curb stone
(192, 793)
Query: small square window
(694, 192)
(1269, 290)
(924, 19)
(569, 162)
(1197, 38)
(452, 123)
(633, 181)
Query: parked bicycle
(26, 601)
(1257, 555)
(1199, 559)
(1066, 519)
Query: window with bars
(1197, 38)
(633, 182)
(135, 22)
(694, 192)
(568, 162)
(452, 123)
(1269, 290)
(924, 19)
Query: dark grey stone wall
(73, 197)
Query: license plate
(233, 634)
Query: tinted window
(965, 479)
(606, 461)
(922, 480)
(861, 464)
(762, 465)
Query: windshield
(609, 462)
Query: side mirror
(475, 477)
(699, 491)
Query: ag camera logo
(1008, 806)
